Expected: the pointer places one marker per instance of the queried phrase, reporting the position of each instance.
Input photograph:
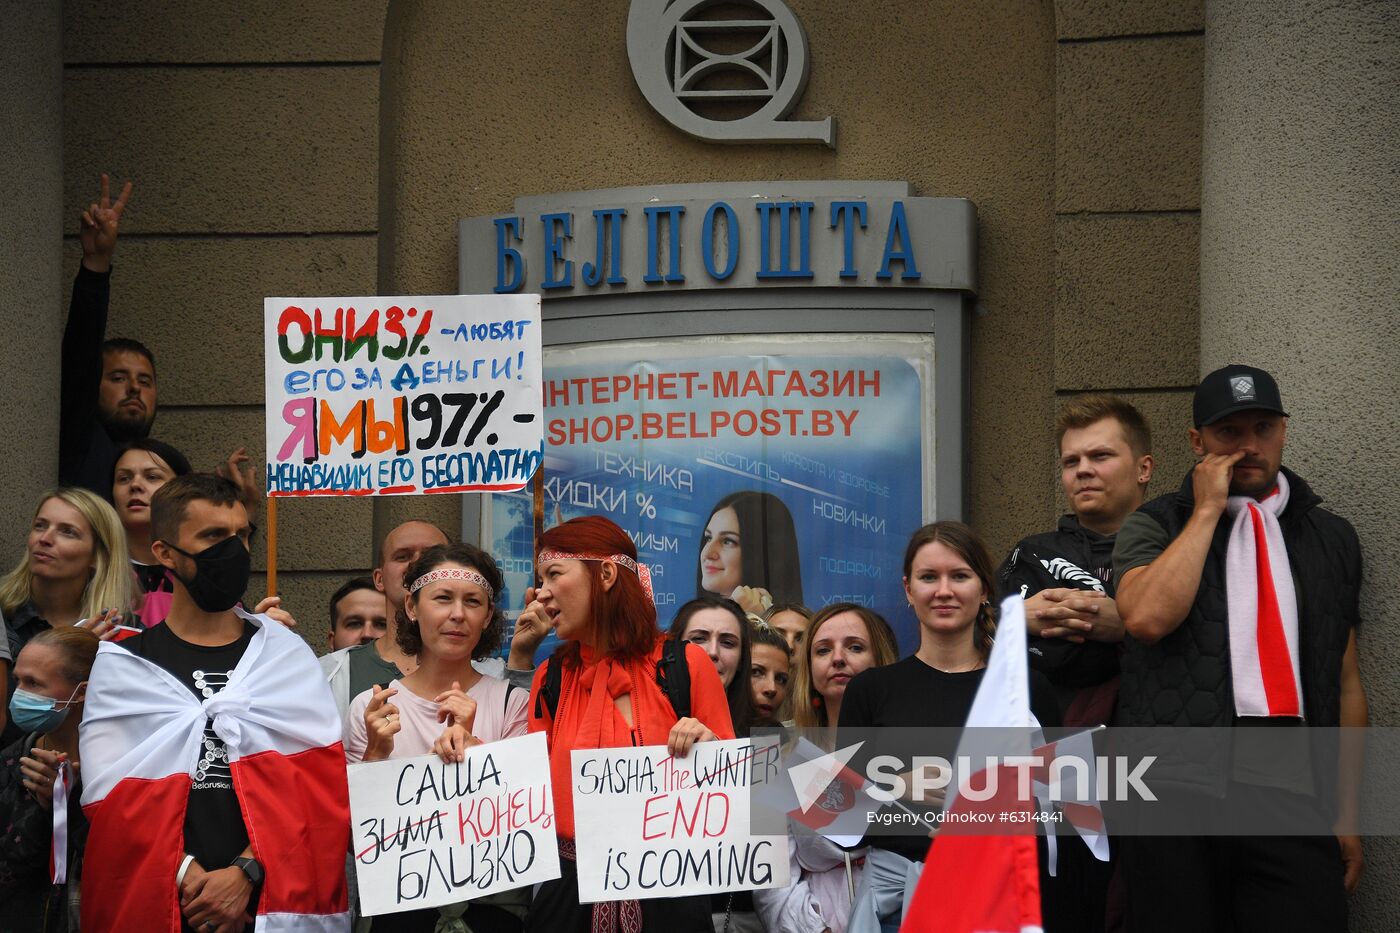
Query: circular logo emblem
(720, 74)
(837, 798)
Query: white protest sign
(649, 825)
(427, 833)
(402, 395)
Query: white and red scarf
(141, 736)
(1263, 608)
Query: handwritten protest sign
(427, 833)
(402, 395)
(649, 825)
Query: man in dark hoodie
(108, 387)
(1066, 575)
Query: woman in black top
(948, 581)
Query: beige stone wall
(31, 187)
(251, 131)
(1127, 211)
(956, 99)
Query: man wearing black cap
(1239, 594)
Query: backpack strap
(673, 676)
(549, 689)
(510, 688)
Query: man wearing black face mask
(206, 732)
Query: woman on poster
(599, 690)
(748, 552)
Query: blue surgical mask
(34, 712)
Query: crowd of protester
(125, 617)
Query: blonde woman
(841, 641)
(74, 568)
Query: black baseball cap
(1235, 388)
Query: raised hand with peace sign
(98, 233)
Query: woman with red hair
(598, 599)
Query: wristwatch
(251, 868)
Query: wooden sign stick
(272, 545)
(537, 486)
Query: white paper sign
(648, 825)
(402, 395)
(427, 833)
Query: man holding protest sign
(261, 824)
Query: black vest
(1184, 679)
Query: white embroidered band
(642, 571)
(452, 573)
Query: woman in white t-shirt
(450, 617)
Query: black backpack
(672, 676)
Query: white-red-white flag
(141, 737)
(982, 880)
(1073, 789)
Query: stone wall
(251, 131)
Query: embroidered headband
(452, 573)
(642, 571)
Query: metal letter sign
(675, 56)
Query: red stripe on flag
(1275, 664)
(135, 843)
(297, 808)
(976, 884)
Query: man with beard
(1240, 596)
(108, 394)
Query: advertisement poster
(402, 395)
(794, 468)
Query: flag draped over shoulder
(141, 736)
(980, 881)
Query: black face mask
(221, 574)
